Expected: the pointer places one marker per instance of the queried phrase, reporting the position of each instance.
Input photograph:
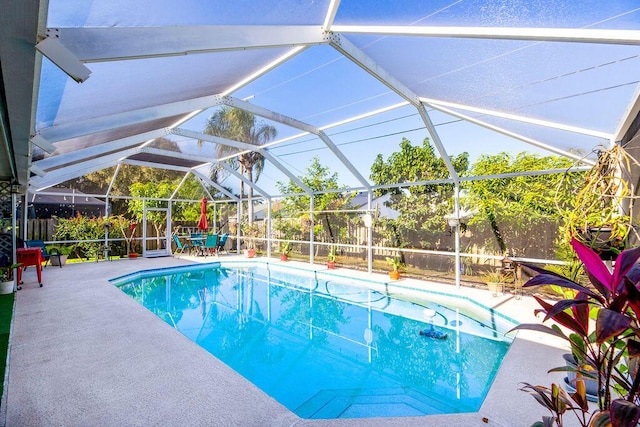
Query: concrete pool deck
(82, 353)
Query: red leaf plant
(604, 335)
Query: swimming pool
(329, 349)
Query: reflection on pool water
(326, 349)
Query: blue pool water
(326, 349)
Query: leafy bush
(62, 250)
(609, 346)
(84, 229)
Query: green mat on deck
(6, 312)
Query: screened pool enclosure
(113, 85)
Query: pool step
(379, 402)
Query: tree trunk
(241, 185)
(496, 232)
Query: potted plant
(130, 238)
(396, 264)
(285, 248)
(61, 255)
(250, 251)
(251, 232)
(495, 282)
(6, 274)
(602, 210)
(600, 323)
(331, 258)
(133, 252)
(581, 369)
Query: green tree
(151, 191)
(318, 178)
(421, 207)
(239, 125)
(521, 202)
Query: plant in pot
(396, 264)
(134, 252)
(129, 234)
(251, 231)
(602, 210)
(599, 322)
(331, 257)
(59, 254)
(6, 274)
(495, 282)
(250, 251)
(285, 249)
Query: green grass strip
(6, 313)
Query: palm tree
(239, 125)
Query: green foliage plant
(508, 205)
(395, 262)
(603, 201)
(327, 226)
(604, 348)
(421, 207)
(250, 231)
(7, 268)
(493, 277)
(332, 256)
(62, 250)
(285, 248)
(89, 232)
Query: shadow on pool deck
(85, 354)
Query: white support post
(456, 210)
(369, 233)
(269, 229)
(311, 233)
(14, 221)
(215, 217)
(25, 216)
(168, 233)
(106, 230)
(239, 215)
(143, 239)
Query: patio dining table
(199, 244)
(196, 242)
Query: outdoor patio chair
(180, 248)
(222, 242)
(210, 244)
(45, 255)
(196, 239)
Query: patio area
(84, 353)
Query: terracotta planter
(331, 265)
(133, 255)
(284, 257)
(250, 253)
(6, 287)
(394, 275)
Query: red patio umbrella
(202, 223)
